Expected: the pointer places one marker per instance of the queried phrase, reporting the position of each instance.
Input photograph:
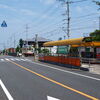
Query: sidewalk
(93, 68)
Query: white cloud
(7, 7)
(27, 12)
(79, 9)
(44, 16)
(47, 1)
(23, 11)
(83, 9)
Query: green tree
(21, 43)
(74, 52)
(18, 49)
(97, 2)
(45, 51)
(60, 38)
(95, 35)
(3, 51)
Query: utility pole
(14, 41)
(36, 40)
(99, 22)
(27, 28)
(4, 46)
(68, 19)
(67, 3)
(36, 48)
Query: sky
(45, 18)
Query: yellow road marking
(58, 83)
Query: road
(23, 79)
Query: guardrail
(62, 59)
(90, 60)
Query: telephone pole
(68, 19)
(27, 28)
(67, 3)
(99, 22)
(36, 40)
(36, 47)
(14, 41)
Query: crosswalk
(14, 59)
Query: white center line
(6, 91)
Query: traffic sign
(4, 24)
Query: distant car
(19, 54)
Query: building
(32, 41)
(30, 45)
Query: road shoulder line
(68, 71)
(6, 91)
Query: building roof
(64, 42)
(39, 39)
(77, 42)
(87, 44)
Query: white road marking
(68, 71)
(23, 59)
(12, 59)
(28, 60)
(2, 59)
(51, 98)
(17, 59)
(6, 91)
(7, 59)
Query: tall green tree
(21, 43)
(95, 35)
(17, 49)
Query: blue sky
(44, 17)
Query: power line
(88, 15)
(44, 21)
(57, 24)
(49, 31)
(45, 11)
(68, 2)
(49, 11)
(83, 28)
(79, 1)
(48, 26)
(83, 21)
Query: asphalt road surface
(23, 79)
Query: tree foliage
(97, 2)
(60, 38)
(95, 35)
(21, 43)
(45, 51)
(18, 49)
